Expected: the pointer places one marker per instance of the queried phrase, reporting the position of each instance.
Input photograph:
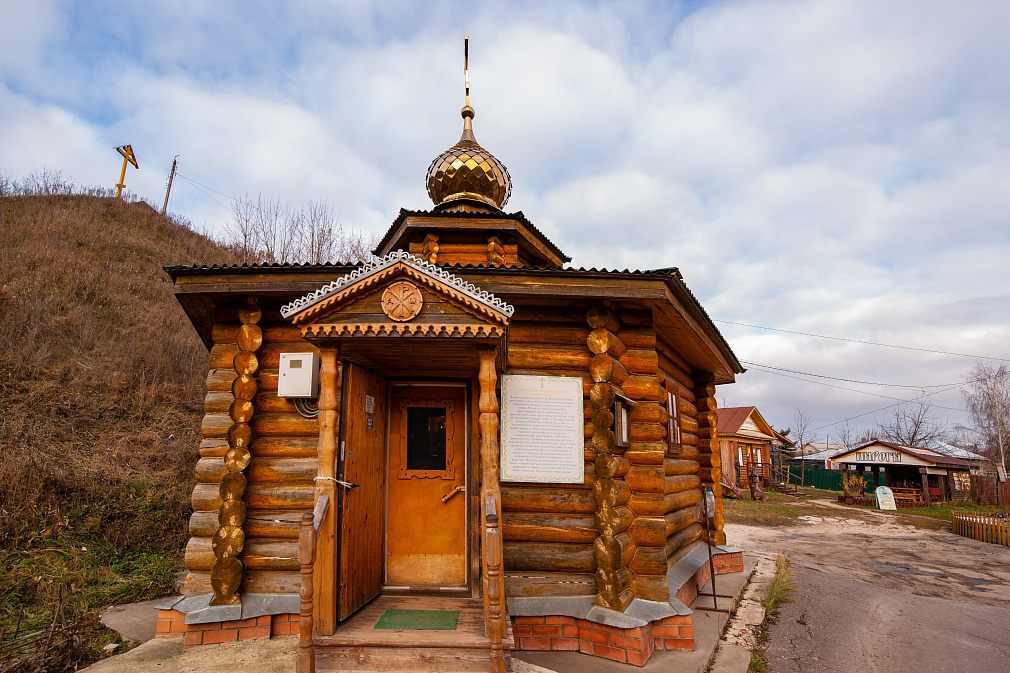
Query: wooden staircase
(778, 479)
(358, 646)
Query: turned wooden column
(490, 501)
(325, 599)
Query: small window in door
(426, 438)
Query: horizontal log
(540, 527)
(283, 497)
(575, 357)
(711, 459)
(222, 356)
(644, 387)
(646, 479)
(258, 523)
(210, 470)
(281, 470)
(640, 361)
(682, 482)
(635, 317)
(648, 412)
(538, 499)
(687, 423)
(220, 380)
(653, 531)
(284, 446)
(651, 587)
(206, 498)
(683, 537)
(679, 466)
(548, 333)
(258, 554)
(646, 432)
(604, 368)
(550, 584)
(549, 314)
(603, 341)
(600, 316)
(272, 425)
(646, 453)
(638, 337)
(667, 350)
(655, 504)
(213, 448)
(710, 474)
(271, 582)
(649, 561)
(215, 425)
(547, 556)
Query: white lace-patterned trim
(389, 260)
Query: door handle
(445, 498)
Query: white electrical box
(299, 375)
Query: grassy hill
(101, 394)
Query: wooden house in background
(745, 439)
(494, 434)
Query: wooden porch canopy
(381, 314)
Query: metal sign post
(707, 512)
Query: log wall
(549, 530)
(617, 534)
(281, 466)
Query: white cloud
(825, 166)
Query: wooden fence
(981, 527)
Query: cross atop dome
(466, 174)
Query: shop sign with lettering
(885, 498)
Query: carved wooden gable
(399, 295)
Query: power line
(887, 407)
(861, 392)
(835, 378)
(199, 189)
(859, 341)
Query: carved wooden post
(708, 443)
(490, 490)
(305, 660)
(614, 548)
(229, 539)
(325, 595)
(495, 586)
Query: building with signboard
(911, 472)
(745, 441)
(464, 425)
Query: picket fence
(981, 527)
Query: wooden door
(363, 462)
(426, 532)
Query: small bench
(907, 494)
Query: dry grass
(101, 385)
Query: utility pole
(128, 157)
(171, 176)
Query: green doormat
(418, 620)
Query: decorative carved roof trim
(373, 271)
(402, 329)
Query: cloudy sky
(825, 167)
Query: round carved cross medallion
(402, 301)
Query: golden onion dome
(467, 171)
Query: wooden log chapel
(462, 426)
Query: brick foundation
(628, 646)
(172, 624)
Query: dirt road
(875, 593)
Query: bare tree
(267, 230)
(987, 399)
(912, 424)
(800, 430)
(846, 435)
